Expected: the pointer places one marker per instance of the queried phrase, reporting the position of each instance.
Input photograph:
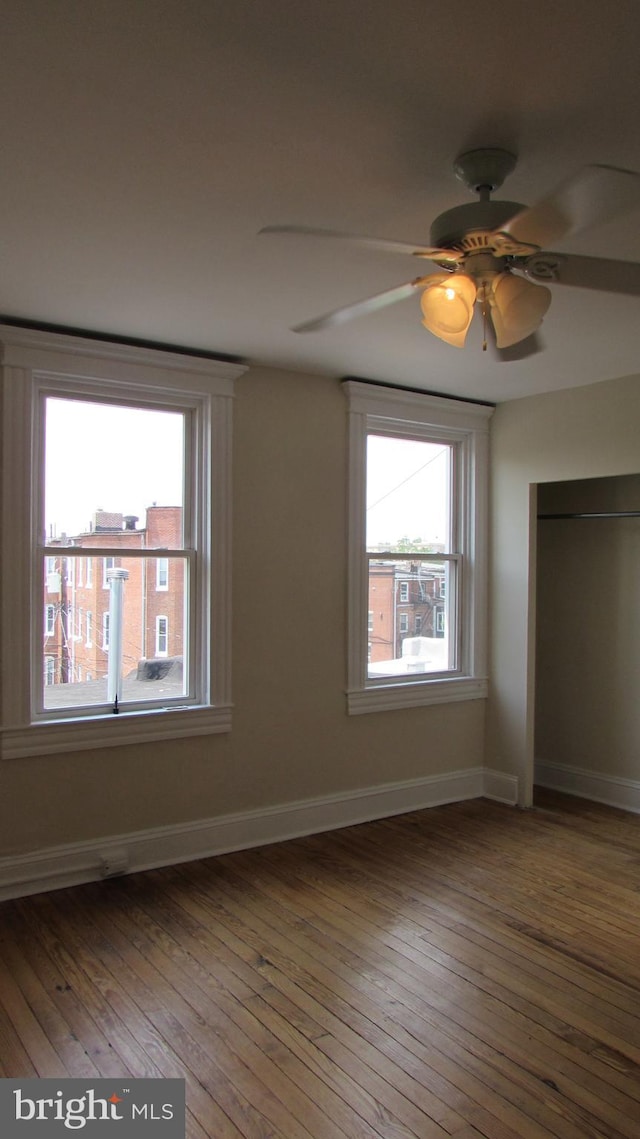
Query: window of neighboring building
(162, 636)
(148, 427)
(162, 573)
(89, 572)
(49, 620)
(107, 564)
(418, 515)
(49, 670)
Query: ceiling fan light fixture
(447, 306)
(517, 308)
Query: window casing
(455, 572)
(38, 366)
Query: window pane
(126, 475)
(81, 634)
(409, 627)
(408, 495)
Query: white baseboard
(57, 867)
(610, 789)
(501, 787)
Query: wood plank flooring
(468, 971)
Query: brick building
(406, 599)
(77, 597)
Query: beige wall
(587, 712)
(571, 434)
(291, 737)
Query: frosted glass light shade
(447, 306)
(517, 308)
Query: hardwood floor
(467, 971)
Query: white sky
(407, 490)
(100, 456)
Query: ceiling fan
(492, 254)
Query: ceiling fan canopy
(491, 253)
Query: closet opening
(587, 710)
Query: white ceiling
(144, 143)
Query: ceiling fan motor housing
(471, 226)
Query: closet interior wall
(588, 630)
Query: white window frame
(105, 631)
(36, 364)
(89, 628)
(374, 409)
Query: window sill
(387, 697)
(113, 731)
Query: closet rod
(599, 514)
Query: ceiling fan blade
(360, 308)
(381, 243)
(593, 196)
(599, 273)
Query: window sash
(450, 606)
(120, 555)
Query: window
(139, 428)
(107, 564)
(49, 620)
(162, 573)
(162, 636)
(417, 521)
